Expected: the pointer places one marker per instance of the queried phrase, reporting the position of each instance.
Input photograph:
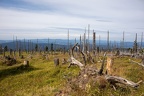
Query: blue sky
(31, 19)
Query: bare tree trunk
(13, 43)
(108, 41)
(115, 79)
(19, 52)
(3, 52)
(10, 52)
(88, 45)
(80, 42)
(94, 42)
(123, 42)
(68, 40)
(16, 44)
(142, 40)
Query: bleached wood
(136, 62)
(73, 60)
(116, 79)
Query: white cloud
(103, 15)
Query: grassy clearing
(42, 78)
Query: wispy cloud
(54, 17)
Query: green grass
(43, 78)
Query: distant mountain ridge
(59, 43)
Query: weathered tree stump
(64, 61)
(56, 61)
(9, 61)
(26, 63)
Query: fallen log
(116, 79)
(132, 61)
(92, 73)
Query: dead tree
(4, 52)
(100, 72)
(10, 51)
(68, 40)
(141, 64)
(88, 73)
(141, 41)
(19, 52)
(115, 79)
(135, 46)
(108, 40)
(94, 42)
(73, 60)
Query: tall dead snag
(68, 40)
(135, 46)
(73, 60)
(94, 42)
(141, 41)
(108, 40)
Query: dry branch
(73, 60)
(92, 74)
(115, 79)
(83, 55)
(136, 62)
(102, 66)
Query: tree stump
(64, 61)
(56, 61)
(26, 63)
(47, 58)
